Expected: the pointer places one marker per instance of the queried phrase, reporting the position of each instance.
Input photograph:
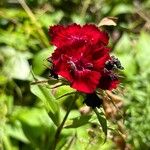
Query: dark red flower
(80, 55)
(66, 35)
(108, 81)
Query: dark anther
(52, 72)
(89, 66)
(93, 100)
(72, 66)
(109, 65)
(113, 76)
(113, 63)
(117, 63)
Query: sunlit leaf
(78, 121)
(122, 9)
(40, 61)
(34, 123)
(17, 67)
(51, 105)
(50, 19)
(102, 120)
(143, 52)
(15, 131)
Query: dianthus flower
(82, 57)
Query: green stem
(96, 111)
(85, 7)
(32, 17)
(59, 129)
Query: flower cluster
(82, 57)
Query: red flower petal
(61, 35)
(62, 68)
(100, 57)
(95, 34)
(106, 83)
(54, 30)
(74, 51)
(97, 56)
(86, 81)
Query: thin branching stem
(60, 127)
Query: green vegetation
(29, 113)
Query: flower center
(78, 65)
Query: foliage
(29, 114)
(137, 102)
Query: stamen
(113, 77)
(72, 65)
(77, 65)
(89, 66)
(113, 63)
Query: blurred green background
(24, 45)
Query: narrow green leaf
(79, 121)
(122, 9)
(102, 120)
(51, 105)
(14, 64)
(15, 130)
(39, 61)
